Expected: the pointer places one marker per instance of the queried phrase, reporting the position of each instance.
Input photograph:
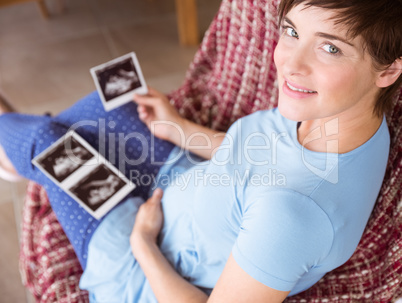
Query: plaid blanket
(233, 75)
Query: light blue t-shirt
(287, 214)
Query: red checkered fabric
(48, 265)
(233, 75)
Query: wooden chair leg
(187, 22)
(43, 8)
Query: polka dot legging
(118, 135)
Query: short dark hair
(378, 22)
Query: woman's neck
(339, 134)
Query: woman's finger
(141, 109)
(153, 92)
(156, 196)
(145, 100)
(143, 116)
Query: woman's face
(321, 72)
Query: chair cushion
(48, 264)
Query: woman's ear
(388, 76)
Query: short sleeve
(282, 236)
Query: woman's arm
(165, 123)
(234, 285)
(166, 283)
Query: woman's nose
(297, 61)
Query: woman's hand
(148, 223)
(164, 122)
(159, 115)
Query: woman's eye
(331, 49)
(291, 32)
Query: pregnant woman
(254, 215)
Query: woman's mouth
(297, 92)
(298, 89)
